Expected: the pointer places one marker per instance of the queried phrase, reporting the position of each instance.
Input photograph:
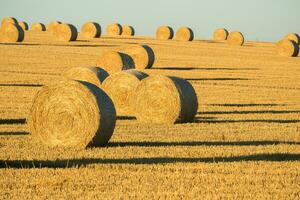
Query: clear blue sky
(265, 20)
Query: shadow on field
(249, 112)
(12, 121)
(126, 118)
(209, 69)
(21, 85)
(20, 164)
(16, 133)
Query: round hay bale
(113, 61)
(120, 87)
(184, 34)
(9, 20)
(294, 37)
(142, 55)
(52, 26)
(128, 31)
(72, 114)
(91, 30)
(11, 33)
(287, 48)
(236, 38)
(164, 33)
(220, 34)
(94, 75)
(114, 29)
(65, 33)
(161, 99)
(38, 27)
(24, 26)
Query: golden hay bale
(11, 33)
(10, 20)
(294, 37)
(127, 30)
(94, 75)
(38, 27)
(52, 26)
(184, 34)
(91, 30)
(161, 99)
(236, 38)
(164, 33)
(142, 55)
(120, 87)
(114, 29)
(287, 48)
(220, 34)
(113, 61)
(24, 25)
(72, 114)
(65, 33)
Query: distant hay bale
(113, 61)
(160, 99)
(220, 34)
(164, 33)
(38, 27)
(114, 29)
(128, 31)
(287, 48)
(65, 33)
(72, 114)
(91, 30)
(184, 34)
(24, 26)
(52, 26)
(11, 33)
(294, 37)
(10, 20)
(236, 38)
(142, 55)
(120, 87)
(94, 75)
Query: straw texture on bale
(294, 37)
(164, 33)
(72, 114)
(161, 99)
(24, 26)
(184, 34)
(65, 33)
(220, 34)
(127, 30)
(8, 20)
(38, 27)
(113, 61)
(236, 38)
(120, 87)
(91, 30)
(52, 26)
(94, 75)
(114, 29)
(142, 55)
(287, 48)
(11, 33)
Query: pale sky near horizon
(263, 20)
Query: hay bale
(94, 75)
(287, 48)
(9, 20)
(220, 34)
(65, 33)
(114, 29)
(236, 39)
(120, 87)
(294, 37)
(52, 26)
(38, 27)
(184, 34)
(142, 55)
(113, 61)
(161, 99)
(11, 33)
(91, 30)
(164, 33)
(24, 25)
(72, 114)
(128, 31)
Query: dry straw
(94, 75)
(120, 87)
(287, 48)
(114, 29)
(113, 61)
(184, 34)
(8, 20)
(236, 38)
(11, 33)
(91, 30)
(24, 25)
(220, 34)
(38, 27)
(142, 56)
(72, 114)
(52, 26)
(160, 99)
(164, 33)
(128, 31)
(294, 37)
(65, 33)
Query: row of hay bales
(167, 33)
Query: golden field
(244, 142)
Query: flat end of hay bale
(11, 33)
(184, 34)
(220, 34)
(38, 27)
(91, 30)
(287, 48)
(9, 20)
(128, 31)
(65, 33)
(142, 55)
(114, 29)
(52, 26)
(236, 39)
(164, 33)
